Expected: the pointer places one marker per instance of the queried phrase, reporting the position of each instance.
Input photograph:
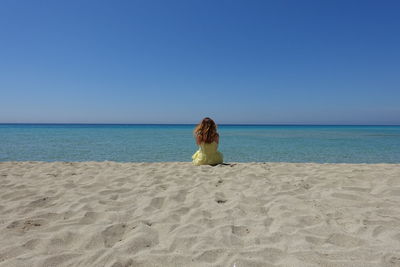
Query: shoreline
(177, 214)
(175, 162)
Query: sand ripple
(175, 214)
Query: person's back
(207, 139)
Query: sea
(166, 143)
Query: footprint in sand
(31, 244)
(392, 259)
(179, 196)
(155, 203)
(25, 225)
(39, 202)
(240, 230)
(142, 237)
(113, 234)
(211, 255)
(220, 198)
(89, 217)
(342, 240)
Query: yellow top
(207, 154)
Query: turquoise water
(152, 143)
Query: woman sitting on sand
(207, 139)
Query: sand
(176, 214)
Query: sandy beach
(177, 214)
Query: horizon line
(224, 124)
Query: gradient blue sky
(148, 61)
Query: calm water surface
(238, 143)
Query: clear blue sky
(148, 61)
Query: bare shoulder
(216, 138)
(198, 139)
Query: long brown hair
(206, 131)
